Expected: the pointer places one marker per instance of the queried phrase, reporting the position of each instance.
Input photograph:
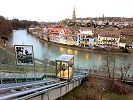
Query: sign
(24, 54)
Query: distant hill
(5, 27)
(17, 24)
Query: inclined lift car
(64, 67)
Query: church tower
(74, 14)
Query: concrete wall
(57, 92)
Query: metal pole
(1, 79)
(26, 75)
(15, 79)
(34, 72)
(7, 56)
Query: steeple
(74, 14)
(103, 17)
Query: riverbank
(109, 50)
(51, 51)
(98, 50)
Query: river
(84, 59)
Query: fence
(10, 72)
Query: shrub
(119, 88)
(91, 90)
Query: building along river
(83, 59)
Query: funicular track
(19, 88)
(32, 90)
(50, 89)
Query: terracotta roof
(99, 30)
(86, 28)
(126, 31)
(130, 19)
(106, 33)
(58, 30)
(111, 19)
(55, 30)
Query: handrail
(39, 90)
(28, 92)
(46, 90)
(26, 85)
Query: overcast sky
(56, 10)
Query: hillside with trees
(5, 27)
(17, 24)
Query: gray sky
(56, 10)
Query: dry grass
(93, 90)
(1, 42)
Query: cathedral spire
(74, 14)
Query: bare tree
(114, 66)
(108, 67)
(124, 70)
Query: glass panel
(62, 70)
(71, 63)
(58, 68)
(70, 71)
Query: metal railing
(33, 92)
(10, 72)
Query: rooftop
(58, 30)
(65, 57)
(106, 33)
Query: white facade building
(109, 38)
(58, 35)
(86, 39)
